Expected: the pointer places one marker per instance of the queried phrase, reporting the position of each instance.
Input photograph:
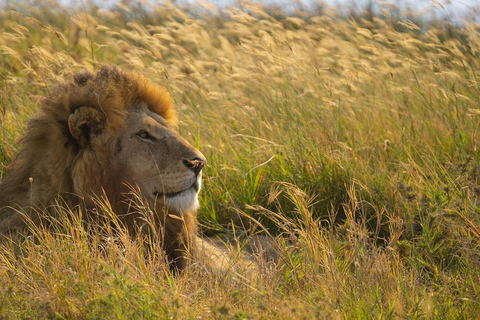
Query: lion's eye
(144, 135)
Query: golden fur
(101, 135)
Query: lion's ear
(85, 122)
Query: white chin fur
(186, 201)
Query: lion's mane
(50, 158)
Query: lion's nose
(195, 165)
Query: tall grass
(351, 139)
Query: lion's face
(165, 167)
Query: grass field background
(352, 138)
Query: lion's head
(166, 168)
(102, 135)
(146, 153)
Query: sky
(455, 10)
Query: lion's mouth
(195, 186)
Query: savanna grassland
(353, 139)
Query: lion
(99, 136)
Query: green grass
(352, 139)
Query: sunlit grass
(352, 139)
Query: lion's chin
(186, 201)
(180, 202)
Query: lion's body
(104, 135)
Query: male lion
(101, 135)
